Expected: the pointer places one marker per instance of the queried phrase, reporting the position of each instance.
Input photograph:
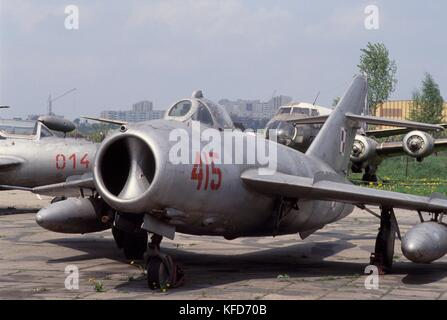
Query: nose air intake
(125, 169)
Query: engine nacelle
(76, 216)
(425, 243)
(364, 149)
(286, 133)
(418, 144)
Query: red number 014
(62, 160)
(208, 177)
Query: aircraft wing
(307, 120)
(391, 132)
(387, 132)
(67, 188)
(70, 188)
(329, 187)
(396, 148)
(370, 120)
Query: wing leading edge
(70, 188)
(326, 187)
(407, 125)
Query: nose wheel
(162, 272)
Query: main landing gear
(384, 250)
(162, 272)
(370, 174)
(134, 243)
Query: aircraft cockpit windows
(221, 116)
(18, 127)
(180, 109)
(45, 132)
(305, 111)
(315, 113)
(203, 115)
(285, 110)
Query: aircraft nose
(125, 169)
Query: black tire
(157, 274)
(385, 245)
(118, 235)
(134, 244)
(370, 178)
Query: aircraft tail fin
(334, 142)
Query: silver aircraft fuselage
(133, 173)
(31, 163)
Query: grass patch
(99, 287)
(421, 178)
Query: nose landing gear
(162, 272)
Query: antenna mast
(51, 100)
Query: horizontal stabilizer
(309, 189)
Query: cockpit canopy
(305, 109)
(23, 129)
(200, 109)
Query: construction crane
(51, 100)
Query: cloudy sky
(128, 51)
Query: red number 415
(212, 177)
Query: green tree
(335, 101)
(381, 71)
(428, 104)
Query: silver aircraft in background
(35, 153)
(297, 125)
(137, 190)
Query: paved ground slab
(328, 265)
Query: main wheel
(385, 245)
(369, 178)
(157, 274)
(134, 244)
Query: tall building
(254, 109)
(141, 111)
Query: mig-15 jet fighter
(145, 183)
(32, 155)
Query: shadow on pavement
(205, 270)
